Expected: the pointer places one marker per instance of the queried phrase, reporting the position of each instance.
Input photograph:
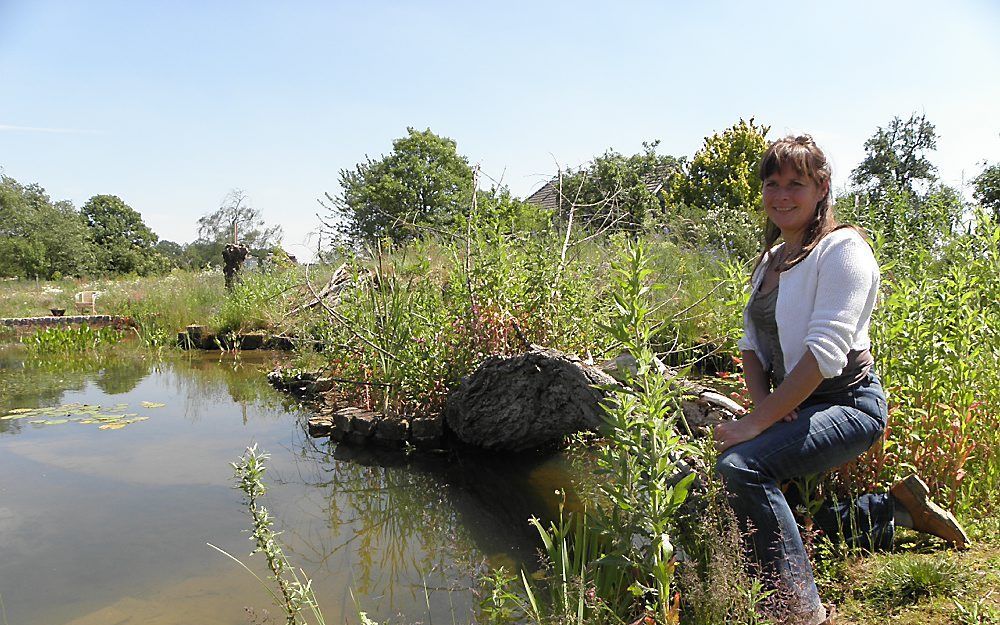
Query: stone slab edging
(66, 320)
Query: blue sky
(169, 105)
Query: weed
(905, 579)
(975, 612)
(295, 591)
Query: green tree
(618, 192)
(236, 221)
(896, 157)
(987, 189)
(124, 242)
(896, 195)
(39, 237)
(172, 253)
(422, 182)
(714, 200)
(905, 226)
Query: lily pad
(112, 426)
(152, 404)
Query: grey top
(762, 314)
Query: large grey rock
(526, 402)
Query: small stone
(319, 427)
(342, 421)
(391, 431)
(251, 341)
(363, 422)
(427, 427)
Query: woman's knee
(732, 467)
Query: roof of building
(548, 195)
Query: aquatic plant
(71, 340)
(294, 589)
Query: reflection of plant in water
(240, 378)
(399, 522)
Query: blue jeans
(831, 430)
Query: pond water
(101, 526)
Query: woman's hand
(731, 433)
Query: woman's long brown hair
(803, 155)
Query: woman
(817, 400)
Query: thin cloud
(60, 131)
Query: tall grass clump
(259, 300)
(418, 318)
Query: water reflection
(101, 524)
(440, 515)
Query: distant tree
(987, 189)
(896, 157)
(618, 192)
(423, 181)
(897, 197)
(714, 199)
(39, 237)
(237, 221)
(905, 225)
(172, 253)
(124, 242)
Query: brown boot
(928, 517)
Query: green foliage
(422, 182)
(975, 612)
(618, 192)
(258, 300)
(123, 242)
(896, 157)
(937, 336)
(905, 226)
(614, 562)
(295, 594)
(39, 238)
(907, 578)
(714, 200)
(420, 317)
(987, 189)
(71, 340)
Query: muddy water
(102, 526)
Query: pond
(106, 525)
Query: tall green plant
(294, 589)
(615, 561)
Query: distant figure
(233, 257)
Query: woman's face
(790, 200)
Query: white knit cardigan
(824, 303)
